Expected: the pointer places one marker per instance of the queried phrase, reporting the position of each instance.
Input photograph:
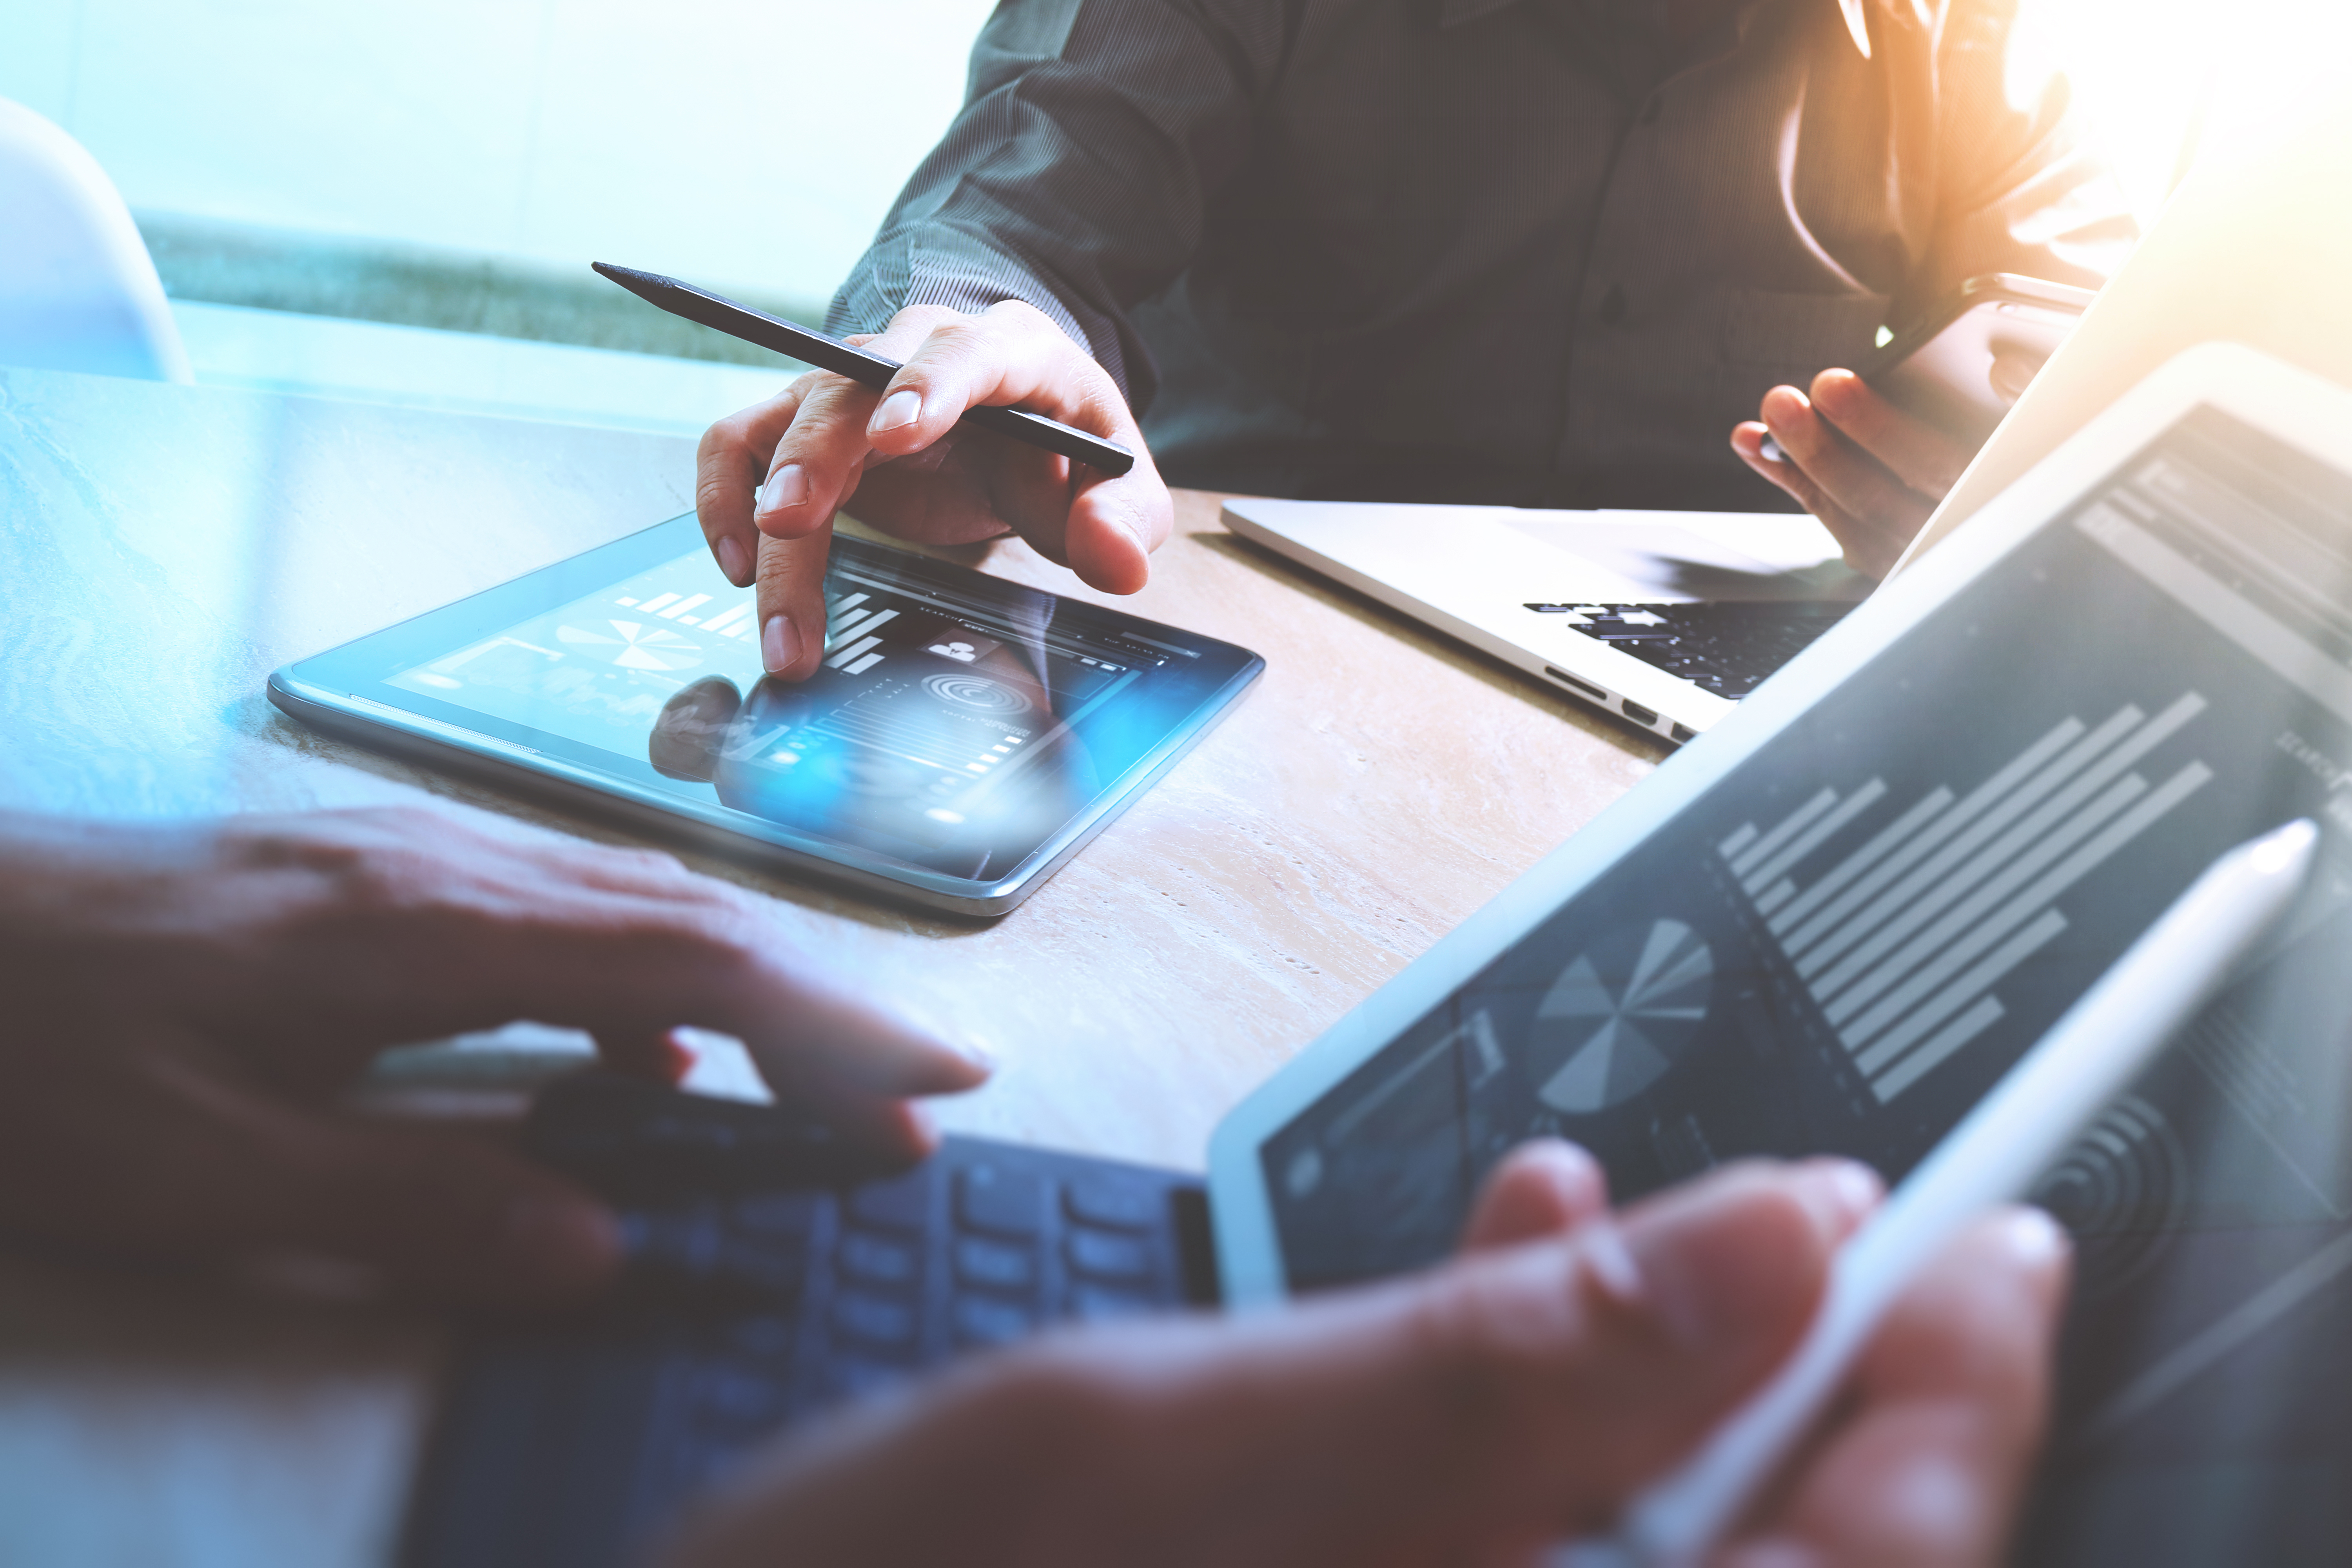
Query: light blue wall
(736, 143)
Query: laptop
(1829, 925)
(1664, 618)
(1674, 642)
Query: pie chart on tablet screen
(1619, 1014)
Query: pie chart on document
(633, 645)
(1619, 1014)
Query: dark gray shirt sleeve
(1077, 178)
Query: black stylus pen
(868, 369)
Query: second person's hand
(771, 478)
(1871, 472)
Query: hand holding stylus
(2041, 1104)
(771, 478)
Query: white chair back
(78, 290)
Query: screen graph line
(1890, 837)
(1768, 883)
(1901, 941)
(1930, 837)
(854, 650)
(2106, 753)
(724, 621)
(1939, 873)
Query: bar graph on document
(1902, 942)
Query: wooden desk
(163, 548)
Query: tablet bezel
(319, 690)
(2303, 410)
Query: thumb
(1599, 1360)
(1544, 1188)
(1503, 1401)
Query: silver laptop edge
(1471, 571)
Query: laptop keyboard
(1724, 646)
(752, 1299)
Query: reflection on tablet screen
(944, 730)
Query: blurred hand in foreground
(1473, 1415)
(185, 1001)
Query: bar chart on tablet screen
(694, 610)
(1902, 939)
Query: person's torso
(1531, 251)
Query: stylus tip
(629, 278)
(2287, 848)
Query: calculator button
(874, 1321)
(1115, 1202)
(992, 1198)
(1095, 1304)
(876, 1260)
(983, 1321)
(775, 1214)
(1101, 1255)
(852, 1377)
(739, 1400)
(992, 1266)
(765, 1265)
(764, 1337)
(904, 1203)
(672, 1241)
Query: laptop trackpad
(1774, 556)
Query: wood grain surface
(162, 548)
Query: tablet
(963, 738)
(1834, 922)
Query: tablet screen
(958, 723)
(1844, 942)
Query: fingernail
(731, 560)
(977, 1055)
(1782, 1553)
(1613, 1265)
(1854, 1187)
(678, 1060)
(562, 1243)
(779, 643)
(788, 486)
(903, 407)
(1931, 1498)
(2033, 1239)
